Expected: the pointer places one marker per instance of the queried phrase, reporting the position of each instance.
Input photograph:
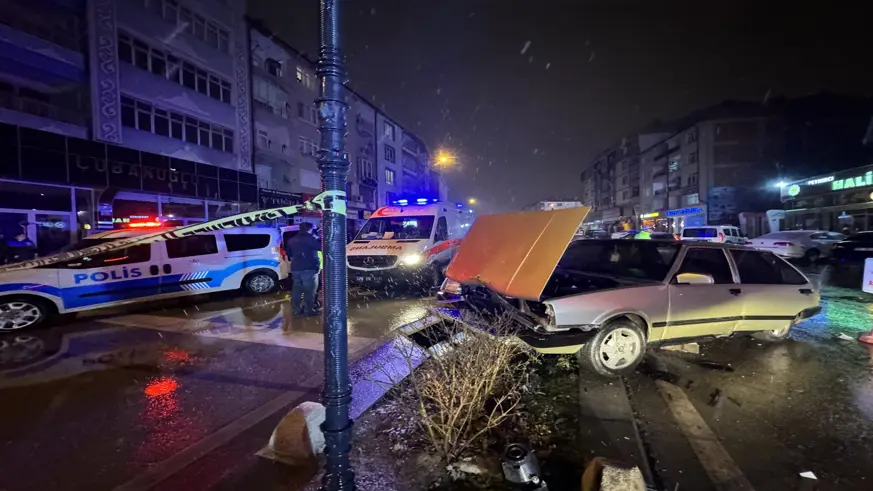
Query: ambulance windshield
(390, 228)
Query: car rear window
(699, 233)
(765, 268)
(246, 242)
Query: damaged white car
(610, 299)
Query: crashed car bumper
(558, 342)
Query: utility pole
(334, 166)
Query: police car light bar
(418, 201)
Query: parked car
(725, 234)
(610, 299)
(248, 258)
(798, 244)
(853, 250)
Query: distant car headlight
(411, 259)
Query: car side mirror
(694, 279)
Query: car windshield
(636, 260)
(406, 227)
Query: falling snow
(548, 65)
(530, 59)
(591, 58)
(525, 47)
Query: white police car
(250, 258)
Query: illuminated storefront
(840, 202)
(57, 189)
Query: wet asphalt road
(778, 410)
(105, 402)
(94, 403)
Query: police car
(247, 258)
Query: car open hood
(514, 254)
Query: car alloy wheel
(261, 283)
(18, 314)
(620, 349)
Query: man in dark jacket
(303, 249)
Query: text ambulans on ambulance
(407, 244)
(250, 258)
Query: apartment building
(705, 168)
(118, 111)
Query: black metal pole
(334, 166)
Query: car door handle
(153, 269)
(168, 269)
(735, 291)
(805, 291)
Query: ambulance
(247, 258)
(408, 244)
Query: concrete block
(622, 479)
(297, 439)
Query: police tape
(332, 201)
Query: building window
(145, 116)
(390, 197)
(389, 153)
(193, 23)
(273, 67)
(691, 199)
(307, 113)
(389, 177)
(366, 170)
(270, 96)
(692, 180)
(389, 130)
(692, 158)
(163, 64)
(624, 180)
(691, 136)
(307, 146)
(307, 79)
(674, 163)
(263, 139)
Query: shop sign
(273, 198)
(839, 181)
(650, 215)
(684, 211)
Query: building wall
(153, 51)
(386, 145)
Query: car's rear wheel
(23, 312)
(616, 350)
(260, 282)
(773, 335)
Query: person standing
(304, 250)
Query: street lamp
(472, 201)
(444, 159)
(334, 166)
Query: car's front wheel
(616, 350)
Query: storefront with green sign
(841, 202)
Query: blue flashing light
(459, 205)
(401, 202)
(422, 201)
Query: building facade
(840, 202)
(170, 111)
(704, 169)
(122, 110)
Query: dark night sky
(526, 125)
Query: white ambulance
(250, 258)
(409, 243)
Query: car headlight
(410, 259)
(550, 314)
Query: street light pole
(334, 166)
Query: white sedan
(799, 244)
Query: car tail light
(282, 252)
(786, 244)
(720, 237)
(749, 242)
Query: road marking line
(722, 470)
